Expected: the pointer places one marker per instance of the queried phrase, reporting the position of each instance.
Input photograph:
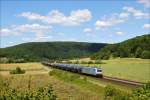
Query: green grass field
(127, 68)
(132, 69)
(70, 86)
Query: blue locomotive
(77, 68)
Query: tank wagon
(77, 68)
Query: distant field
(30, 68)
(25, 66)
(127, 68)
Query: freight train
(93, 71)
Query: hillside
(35, 51)
(138, 47)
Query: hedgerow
(143, 93)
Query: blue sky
(102, 21)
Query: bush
(142, 93)
(18, 70)
(90, 62)
(58, 61)
(53, 72)
(4, 60)
(83, 62)
(64, 75)
(85, 79)
(45, 93)
(98, 62)
(111, 93)
(76, 62)
(138, 52)
(69, 62)
(145, 54)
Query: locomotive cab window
(98, 70)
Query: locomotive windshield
(98, 70)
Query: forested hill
(138, 47)
(35, 51)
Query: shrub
(110, 91)
(85, 79)
(18, 70)
(138, 52)
(90, 62)
(83, 62)
(97, 62)
(58, 61)
(69, 62)
(53, 72)
(145, 54)
(73, 77)
(4, 60)
(142, 93)
(64, 75)
(76, 62)
(44, 93)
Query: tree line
(138, 47)
(36, 51)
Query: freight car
(77, 68)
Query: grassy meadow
(70, 86)
(127, 68)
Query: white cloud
(117, 18)
(102, 24)
(26, 28)
(4, 32)
(37, 29)
(11, 42)
(146, 26)
(124, 15)
(32, 16)
(87, 30)
(111, 21)
(32, 28)
(56, 17)
(8, 32)
(145, 2)
(136, 13)
(119, 33)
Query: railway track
(115, 80)
(124, 81)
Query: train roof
(75, 65)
